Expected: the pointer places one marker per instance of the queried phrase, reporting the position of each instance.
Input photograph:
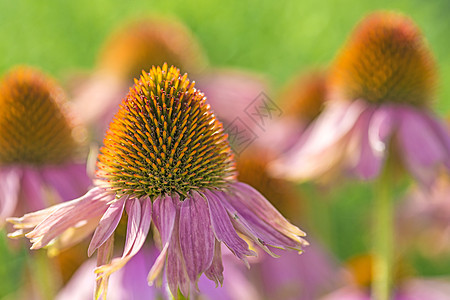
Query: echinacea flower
(167, 160)
(380, 90)
(134, 47)
(39, 145)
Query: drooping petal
(249, 224)
(441, 132)
(57, 219)
(139, 218)
(163, 216)
(215, 270)
(104, 256)
(421, 146)
(322, 145)
(247, 198)
(9, 191)
(224, 230)
(164, 213)
(372, 132)
(107, 224)
(177, 276)
(196, 235)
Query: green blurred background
(276, 38)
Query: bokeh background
(278, 39)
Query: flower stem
(383, 237)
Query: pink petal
(322, 146)
(164, 213)
(139, 218)
(261, 208)
(107, 224)
(91, 205)
(105, 252)
(9, 191)
(163, 216)
(33, 189)
(422, 147)
(373, 130)
(69, 180)
(441, 132)
(247, 223)
(196, 236)
(224, 230)
(177, 276)
(215, 270)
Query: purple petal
(441, 132)
(164, 213)
(373, 130)
(68, 180)
(322, 146)
(139, 218)
(105, 252)
(9, 191)
(215, 270)
(177, 276)
(422, 147)
(107, 224)
(246, 222)
(249, 201)
(133, 208)
(224, 230)
(91, 205)
(163, 216)
(33, 188)
(196, 236)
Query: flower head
(166, 159)
(147, 42)
(35, 127)
(377, 106)
(385, 60)
(39, 144)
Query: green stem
(383, 238)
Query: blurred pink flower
(411, 289)
(424, 218)
(39, 145)
(379, 91)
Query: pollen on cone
(164, 139)
(385, 60)
(35, 127)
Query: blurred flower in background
(424, 218)
(380, 88)
(359, 277)
(41, 157)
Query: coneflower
(166, 159)
(380, 90)
(39, 144)
(377, 115)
